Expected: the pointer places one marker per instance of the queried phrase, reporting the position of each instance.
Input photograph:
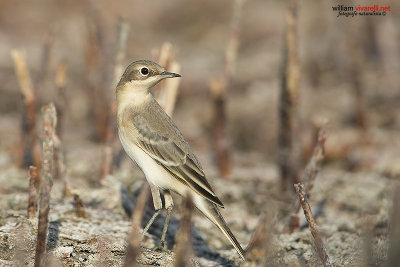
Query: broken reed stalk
(164, 57)
(166, 54)
(308, 177)
(80, 207)
(314, 165)
(183, 250)
(123, 28)
(257, 250)
(96, 70)
(61, 99)
(360, 114)
(28, 151)
(49, 114)
(169, 92)
(60, 171)
(394, 230)
(135, 237)
(288, 157)
(312, 225)
(233, 43)
(45, 59)
(32, 191)
(219, 88)
(219, 128)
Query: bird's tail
(211, 211)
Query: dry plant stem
(314, 165)
(356, 81)
(310, 172)
(123, 28)
(164, 57)
(288, 157)
(312, 225)
(233, 43)
(29, 152)
(49, 114)
(257, 250)
(61, 98)
(183, 251)
(45, 60)
(96, 71)
(80, 207)
(166, 92)
(32, 192)
(219, 94)
(221, 142)
(394, 228)
(60, 171)
(135, 237)
(169, 93)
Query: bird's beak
(167, 74)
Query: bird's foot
(162, 246)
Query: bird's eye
(144, 71)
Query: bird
(152, 140)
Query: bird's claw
(162, 246)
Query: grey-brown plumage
(150, 138)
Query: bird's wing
(174, 158)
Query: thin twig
(233, 43)
(123, 28)
(49, 114)
(32, 192)
(135, 237)
(24, 78)
(394, 230)
(183, 250)
(169, 92)
(164, 56)
(360, 113)
(314, 165)
(61, 103)
(60, 171)
(288, 158)
(257, 250)
(96, 63)
(61, 99)
(308, 177)
(220, 137)
(45, 59)
(29, 152)
(312, 225)
(80, 207)
(218, 90)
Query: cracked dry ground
(352, 210)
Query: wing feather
(178, 162)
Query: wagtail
(153, 141)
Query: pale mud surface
(352, 211)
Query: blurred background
(348, 76)
(199, 33)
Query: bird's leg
(169, 205)
(155, 193)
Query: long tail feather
(211, 211)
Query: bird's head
(143, 75)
